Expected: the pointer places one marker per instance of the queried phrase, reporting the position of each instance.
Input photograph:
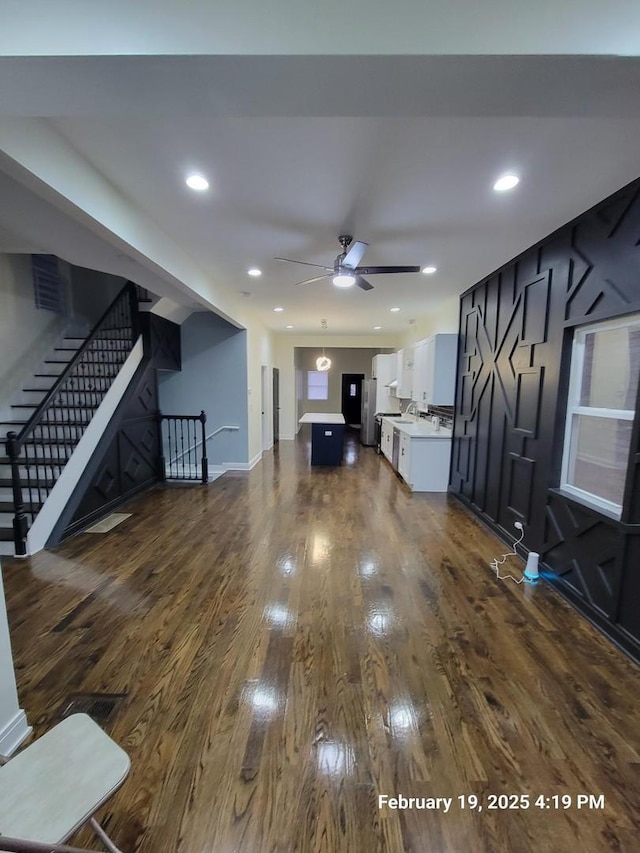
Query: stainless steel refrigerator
(368, 415)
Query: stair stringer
(54, 506)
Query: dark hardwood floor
(295, 642)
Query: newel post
(20, 524)
(205, 461)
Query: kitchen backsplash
(445, 413)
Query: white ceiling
(400, 151)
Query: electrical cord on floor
(498, 561)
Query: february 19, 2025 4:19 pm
(587, 802)
(498, 802)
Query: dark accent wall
(516, 329)
(127, 458)
(161, 341)
(125, 462)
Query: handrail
(36, 417)
(46, 442)
(206, 438)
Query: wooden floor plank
(295, 642)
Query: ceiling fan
(345, 271)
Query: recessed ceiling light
(394, 310)
(377, 328)
(288, 327)
(197, 182)
(278, 309)
(429, 270)
(506, 182)
(254, 271)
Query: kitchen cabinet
(404, 372)
(435, 371)
(424, 453)
(386, 438)
(404, 459)
(383, 370)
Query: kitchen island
(327, 437)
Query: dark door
(352, 397)
(276, 405)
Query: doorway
(352, 397)
(276, 405)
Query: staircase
(55, 407)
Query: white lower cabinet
(386, 439)
(423, 463)
(404, 458)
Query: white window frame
(574, 408)
(324, 374)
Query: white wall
(13, 722)
(443, 320)
(259, 355)
(26, 332)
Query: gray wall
(213, 378)
(26, 332)
(92, 292)
(343, 360)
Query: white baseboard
(14, 733)
(287, 437)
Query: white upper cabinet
(435, 371)
(404, 373)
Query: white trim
(58, 497)
(242, 466)
(14, 733)
(289, 437)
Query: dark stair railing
(45, 443)
(179, 442)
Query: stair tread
(7, 484)
(7, 506)
(47, 461)
(57, 405)
(6, 534)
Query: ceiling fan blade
(363, 283)
(384, 270)
(354, 255)
(306, 263)
(310, 280)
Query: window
(317, 385)
(605, 365)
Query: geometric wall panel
(586, 551)
(515, 331)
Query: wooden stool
(54, 786)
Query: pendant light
(323, 362)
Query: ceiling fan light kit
(344, 279)
(345, 271)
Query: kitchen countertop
(322, 418)
(420, 428)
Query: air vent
(48, 285)
(101, 707)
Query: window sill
(585, 502)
